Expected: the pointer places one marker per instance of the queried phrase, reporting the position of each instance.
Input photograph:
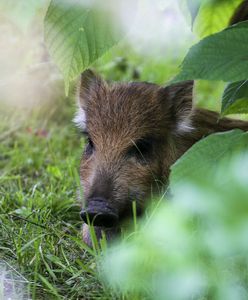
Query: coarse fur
(135, 132)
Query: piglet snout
(99, 213)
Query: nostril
(99, 214)
(84, 215)
(99, 218)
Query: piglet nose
(99, 213)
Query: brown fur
(120, 115)
(206, 122)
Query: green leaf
(76, 35)
(221, 56)
(206, 156)
(188, 242)
(235, 98)
(214, 15)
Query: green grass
(41, 249)
(40, 227)
(39, 215)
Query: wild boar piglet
(135, 132)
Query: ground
(41, 245)
(40, 224)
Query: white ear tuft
(80, 119)
(184, 126)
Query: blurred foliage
(23, 12)
(217, 150)
(194, 247)
(32, 90)
(221, 57)
(218, 57)
(235, 98)
(213, 15)
(77, 33)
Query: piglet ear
(178, 99)
(88, 88)
(89, 85)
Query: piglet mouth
(103, 218)
(106, 218)
(100, 233)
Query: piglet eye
(141, 149)
(89, 148)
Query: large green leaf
(235, 98)
(76, 35)
(214, 15)
(221, 56)
(206, 156)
